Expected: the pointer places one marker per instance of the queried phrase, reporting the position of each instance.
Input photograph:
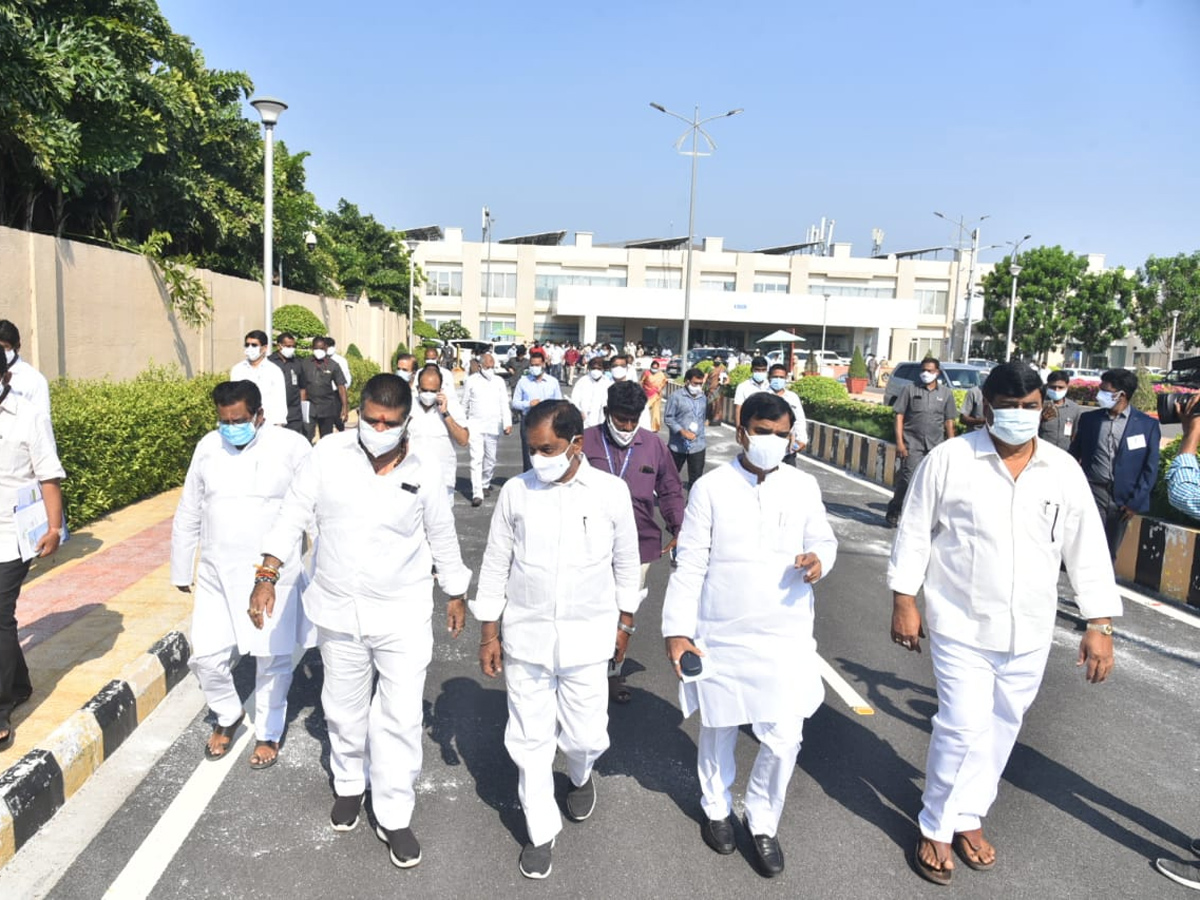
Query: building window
(549, 280)
(770, 282)
(931, 302)
(443, 281)
(504, 285)
(490, 328)
(718, 281)
(919, 348)
(852, 290)
(664, 278)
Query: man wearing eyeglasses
(266, 375)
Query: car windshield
(962, 378)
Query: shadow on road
(882, 686)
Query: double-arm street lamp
(1014, 269)
(695, 130)
(269, 108)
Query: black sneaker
(403, 845)
(718, 834)
(345, 812)
(1187, 874)
(581, 801)
(535, 861)
(477, 501)
(768, 853)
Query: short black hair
(323, 341)
(620, 356)
(1011, 379)
(538, 354)
(766, 405)
(691, 373)
(1123, 380)
(778, 367)
(10, 334)
(937, 362)
(227, 393)
(1058, 375)
(388, 391)
(284, 334)
(329, 341)
(626, 399)
(405, 357)
(564, 417)
(258, 335)
(759, 362)
(427, 368)
(598, 362)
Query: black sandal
(261, 763)
(618, 692)
(225, 731)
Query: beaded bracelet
(266, 579)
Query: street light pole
(694, 130)
(269, 108)
(487, 278)
(962, 226)
(824, 319)
(1014, 270)
(1171, 352)
(412, 297)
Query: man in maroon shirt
(641, 459)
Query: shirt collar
(985, 446)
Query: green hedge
(120, 442)
(361, 371)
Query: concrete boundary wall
(87, 311)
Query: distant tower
(876, 241)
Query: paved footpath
(1102, 780)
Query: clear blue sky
(1074, 120)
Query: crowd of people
(352, 533)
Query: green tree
(1049, 277)
(1168, 285)
(453, 331)
(1097, 311)
(369, 256)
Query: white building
(898, 306)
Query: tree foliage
(1097, 313)
(1049, 277)
(1168, 285)
(371, 258)
(453, 331)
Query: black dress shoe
(477, 501)
(768, 853)
(718, 834)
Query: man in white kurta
(590, 394)
(232, 495)
(988, 520)
(561, 573)
(23, 379)
(437, 425)
(266, 375)
(384, 521)
(755, 539)
(485, 405)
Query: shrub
(423, 329)
(453, 331)
(401, 349)
(818, 388)
(1143, 398)
(858, 365)
(705, 366)
(361, 371)
(352, 352)
(122, 441)
(1083, 392)
(873, 419)
(737, 375)
(300, 321)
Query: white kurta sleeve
(298, 511)
(627, 560)
(506, 418)
(818, 534)
(491, 595)
(438, 518)
(681, 606)
(1085, 553)
(185, 529)
(914, 541)
(275, 395)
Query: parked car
(1086, 376)
(697, 355)
(954, 375)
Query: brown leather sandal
(970, 853)
(941, 875)
(258, 762)
(225, 731)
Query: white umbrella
(782, 337)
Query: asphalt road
(1103, 779)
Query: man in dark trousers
(325, 390)
(925, 416)
(293, 378)
(1117, 446)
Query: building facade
(538, 288)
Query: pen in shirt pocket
(1046, 504)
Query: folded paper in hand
(30, 517)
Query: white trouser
(483, 460)
(271, 685)
(779, 745)
(616, 668)
(982, 698)
(376, 740)
(548, 706)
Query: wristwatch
(1106, 628)
(628, 629)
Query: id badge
(693, 427)
(1068, 428)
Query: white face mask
(11, 356)
(1056, 394)
(1107, 399)
(535, 371)
(619, 372)
(550, 468)
(406, 375)
(766, 451)
(427, 398)
(695, 389)
(619, 437)
(1015, 427)
(287, 352)
(928, 377)
(486, 373)
(595, 374)
(318, 354)
(252, 353)
(378, 443)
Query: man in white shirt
(437, 425)
(343, 363)
(384, 523)
(24, 380)
(561, 573)
(742, 600)
(988, 520)
(778, 385)
(266, 375)
(27, 454)
(752, 385)
(485, 405)
(431, 359)
(232, 495)
(590, 395)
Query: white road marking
(1167, 609)
(849, 476)
(842, 688)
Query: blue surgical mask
(1056, 394)
(1015, 427)
(778, 384)
(759, 377)
(238, 435)
(1107, 399)
(535, 371)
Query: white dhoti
(567, 708)
(983, 696)
(272, 683)
(779, 745)
(483, 460)
(376, 740)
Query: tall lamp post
(487, 277)
(412, 297)
(269, 109)
(961, 225)
(1171, 352)
(695, 129)
(824, 319)
(1013, 270)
